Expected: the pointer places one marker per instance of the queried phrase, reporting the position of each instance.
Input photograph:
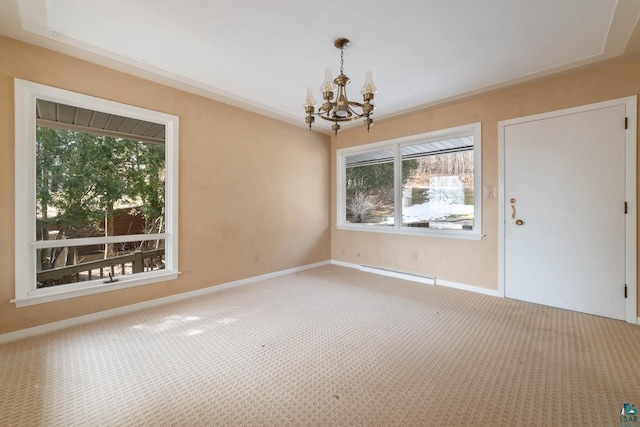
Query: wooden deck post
(138, 262)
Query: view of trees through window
(437, 191)
(97, 186)
(370, 194)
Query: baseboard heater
(399, 274)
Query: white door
(564, 201)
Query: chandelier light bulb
(309, 100)
(368, 87)
(327, 85)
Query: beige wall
(248, 185)
(465, 261)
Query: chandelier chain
(341, 60)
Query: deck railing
(133, 263)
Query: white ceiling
(261, 55)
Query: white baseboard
(345, 264)
(470, 288)
(421, 279)
(75, 321)
(399, 275)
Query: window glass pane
(369, 188)
(60, 266)
(437, 190)
(95, 185)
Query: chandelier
(340, 109)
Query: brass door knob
(519, 222)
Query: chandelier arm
(339, 119)
(359, 105)
(324, 110)
(355, 115)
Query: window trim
(26, 294)
(474, 129)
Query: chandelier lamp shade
(336, 107)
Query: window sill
(448, 234)
(58, 293)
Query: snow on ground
(429, 211)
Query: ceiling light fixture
(341, 110)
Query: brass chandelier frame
(340, 109)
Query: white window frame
(473, 129)
(26, 293)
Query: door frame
(630, 104)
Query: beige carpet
(329, 346)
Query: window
(96, 195)
(426, 184)
(369, 188)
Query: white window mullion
(341, 193)
(397, 186)
(477, 172)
